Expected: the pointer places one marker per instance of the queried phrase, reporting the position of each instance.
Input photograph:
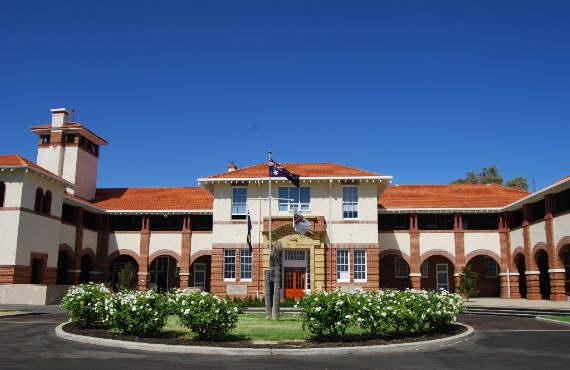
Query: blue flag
(249, 231)
(276, 170)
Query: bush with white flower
(85, 303)
(207, 315)
(137, 313)
(328, 313)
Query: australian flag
(276, 170)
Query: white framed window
(245, 264)
(350, 202)
(229, 264)
(239, 202)
(342, 265)
(292, 198)
(424, 269)
(401, 270)
(359, 265)
(491, 268)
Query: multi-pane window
(229, 264)
(401, 270)
(424, 270)
(245, 264)
(239, 202)
(491, 268)
(359, 265)
(342, 265)
(350, 202)
(292, 198)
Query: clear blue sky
(421, 90)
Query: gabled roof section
(17, 161)
(452, 196)
(154, 199)
(304, 170)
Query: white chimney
(232, 167)
(58, 117)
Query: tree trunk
(276, 292)
(267, 282)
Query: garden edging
(207, 350)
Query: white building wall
(14, 187)
(90, 240)
(37, 234)
(537, 233)
(80, 168)
(125, 240)
(67, 235)
(482, 240)
(51, 158)
(165, 240)
(561, 226)
(398, 241)
(203, 241)
(30, 184)
(517, 239)
(9, 221)
(430, 241)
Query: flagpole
(270, 226)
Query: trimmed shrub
(85, 303)
(468, 282)
(137, 313)
(207, 315)
(127, 277)
(328, 314)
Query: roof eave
(41, 172)
(302, 178)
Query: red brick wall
(372, 266)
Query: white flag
(300, 224)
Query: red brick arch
(437, 252)
(88, 251)
(516, 252)
(562, 244)
(164, 252)
(66, 248)
(482, 252)
(195, 256)
(121, 252)
(540, 246)
(395, 252)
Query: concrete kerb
(552, 321)
(234, 351)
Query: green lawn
(558, 318)
(254, 326)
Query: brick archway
(486, 265)
(540, 246)
(482, 252)
(389, 278)
(437, 252)
(395, 252)
(196, 255)
(519, 264)
(435, 280)
(121, 252)
(563, 243)
(164, 252)
(66, 248)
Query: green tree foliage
(518, 182)
(127, 277)
(490, 175)
(468, 282)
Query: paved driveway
(28, 342)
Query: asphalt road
(28, 342)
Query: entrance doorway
(200, 276)
(164, 273)
(295, 278)
(442, 273)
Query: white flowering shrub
(85, 303)
(207, 315)
(137, 313)
(328, 314)
(406, 312)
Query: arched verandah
(64, 263)
(520, 264)
(541, 260)
(563, 249)
(118, 264)
(394, 270)
(164, 271)
(486, 266)
(437, 270)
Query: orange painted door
(294, 282)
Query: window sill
(229, 280)
(246, 280)
(361, 280)
(343, 281)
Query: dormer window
(45, 139)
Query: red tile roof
(302, 169)
(176, 198)
(74, 125)
(449, 196)
(16, 160)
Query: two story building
(57, 228)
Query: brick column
(142, 283)
(532, 273)
(75, 271)
(459, 248)
(185, 252)
(508, 289)
(415, 274)
(556, 268)
(102, 248)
